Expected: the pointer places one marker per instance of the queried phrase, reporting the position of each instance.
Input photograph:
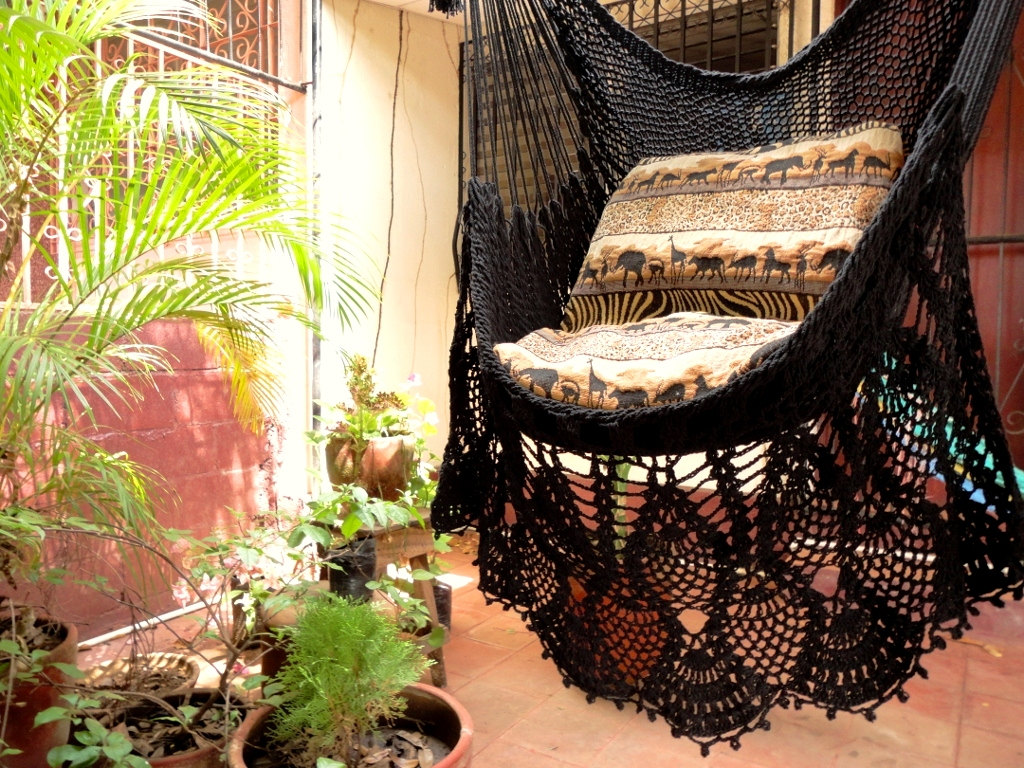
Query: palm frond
(118, 166)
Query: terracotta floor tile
(456, 680)
(565, 724)
(505, 754)
(945, 668)
(803, 738)
(636, 749)
(940, 697)
(1002, 677)
(925, 728)
(992, 714)
(646, 744)
(495, 709)
(505, 630)
(1000, 623)
(465, 619)
(872, 756)
(468, 657)
(987, 749)
(526, 671)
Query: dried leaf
(376, 757)
(414, 738)
(426, 757)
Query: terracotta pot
(432, 709)
(32, 697)
(384, 470)
(209, 756)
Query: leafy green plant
(107, 168)
(212, 574)
(346, 668)
(97, 745)
(104, 165)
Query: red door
(994, 184)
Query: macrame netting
(807, 532)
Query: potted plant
(227, 576)
(378, 440)
(105, 164)
(341, 698)
(37, 659)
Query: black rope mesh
(807, 532)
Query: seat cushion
(651, 362)
(759, 233)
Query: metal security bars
(246, 35)
(725, 35)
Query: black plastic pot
(351, 567)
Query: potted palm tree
(104, 165)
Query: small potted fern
(348, 697)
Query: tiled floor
(968, 714)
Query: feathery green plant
(347, 665)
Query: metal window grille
(725, 35)
(246, 34)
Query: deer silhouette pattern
(644, 364)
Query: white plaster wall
(802, 13)
(388, 161)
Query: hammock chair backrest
(565, 75)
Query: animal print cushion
(759, 233)
(650, 362)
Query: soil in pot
(154, 673)
(160, 738)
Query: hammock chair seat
(709, 489)
(646, 363)
(748, 239)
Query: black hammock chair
(800, 527)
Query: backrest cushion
(759, 233)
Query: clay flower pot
(385, 467)
(431, 709)
(32, 697)
(180, 755)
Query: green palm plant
(103, 165)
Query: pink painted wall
(184, 430)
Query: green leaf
(327, 762)
(253, 682)
(52, 715)
(419, 574)
(350, 526)
(436, 637)
(73, 756)
(118, 746)
(71, 670)
(308, 532)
